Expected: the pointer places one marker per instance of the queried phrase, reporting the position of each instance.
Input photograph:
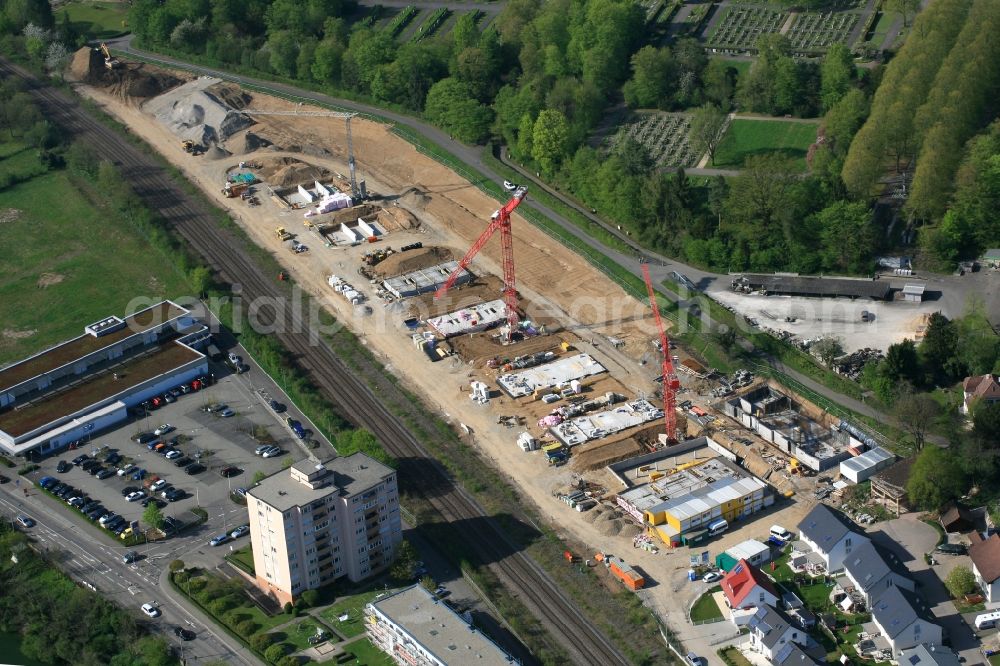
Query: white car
(509, 186)
(271, 452)
(234, 359)
(712, 576)
(151, 610)
(263, 447)
(173, 455)
(164, 429)
(158, 484)
(242, 530)
(125, 469)
(134, 497)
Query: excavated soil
(594, 455)
(129, 80)
(412, 260)
(289, 172)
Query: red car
(157, 401)
(196, 385)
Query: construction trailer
(625, 573)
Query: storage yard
(563, 392)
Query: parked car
(226, 413)
(96, 512)
(169, 398)
(184, 634)
(230, 471)
(158, 485)
(96, 469)
(143, 437)
(151, 610)
(25, 521)
(164, 429)
(952, 549)
(47, 482)
(107, 518)
(712, 576)
(130, 557)
(194, 468)
(242, 492)
(173, 454)
(276, 406)
(183, 461)
(153, 444)
(172, 494)
(76, 502)
(152, 500)
(242, 530)
(509, 186)
(234, 358)
(113, 458)
(135, 496)
(263, 447)
(128, 490)
(692, 659)
(125, 469)
(271, 452)
(80, 459)
(89, 465)
(184, 389)
(63, 466)
(138, 475)
(105, 473)
(219, 540)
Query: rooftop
(914, 289)
(771, 624)
(596, 426)
(557, 373)
(425, 279)
(818, 286)
(826, 527)
(472, 318)
(897, 609)
(96, 387)
(71, 350)
(440, 630)
(928, 655)
(309, 480)
(985, 555)
(868, 565)
(871, 458)
(685, 481)
(741, 581)
(748, 549)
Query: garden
(816, 32)
(706, 609)
(665, 136)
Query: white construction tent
(861, 468)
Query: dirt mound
(611, 527)
(231, 95)
(288, 171)
(87, 65)
(396, 218)
(601, 454)
(252, 142)
(630, 531)
(414, 198)
(592, 515)
(216, 153)
(194, 111)
(413, 260)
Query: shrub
(181, 577)
(274, 653)
(234, 617)
(27, 469)
(260, 642)
(288, 660)
(197, 585)
(309, 599)
(220, 606)
(246, 628)
(287, 607)
(176, 565)
(960, 582)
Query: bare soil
(412, 260)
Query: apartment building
(316, 522)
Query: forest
(541, 78)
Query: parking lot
(204, 440)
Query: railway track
(577, 634)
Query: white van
(781, 533)
(987, 620)
(717, 527)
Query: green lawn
(65, 263)
(244, 556)
(95, 20)
(366, 653)
(746, 138)
(298, 634)
(735, 657)
(706, 608)
(354, 606)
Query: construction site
(538, 358)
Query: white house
(985, 555)
(904, 620)
(746, 589)
(771, 632)
(831, 535)
(874, 570)
(984, 388)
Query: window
(847, 542)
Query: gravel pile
(192, 111)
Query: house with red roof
(746, 589)
(984, 388)
(985, 555)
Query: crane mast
(500, 221)
(670, 381)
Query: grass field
(705, 608)
(366, 653)
(95, 20)
(759, 137)
(354, 606)
(65, 263)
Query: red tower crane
(670, 381)
(499, 221)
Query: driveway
(910, 538)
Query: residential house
(873, 570)
(904, 620)
(984, 388)
(985, 554)
(957, 518)
(928, 655)
(746, 589)
(830, 534)
(792, 655)
(771, 632)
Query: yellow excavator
(110, 61)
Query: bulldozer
(191, 147)
(282, 234)
(110, 61)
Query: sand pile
(595, 455)
(288, 171)
(252, 142)
(414, 198)
(194, 111)
(413, 260)
(397, 218)
(630, 531)
(611, 527)
(595, 513)
(87, 65)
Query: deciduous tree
(549, 140)
(935, 478)
(707, 127)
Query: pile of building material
(196, 112)
(346, 290)
(852, 364)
